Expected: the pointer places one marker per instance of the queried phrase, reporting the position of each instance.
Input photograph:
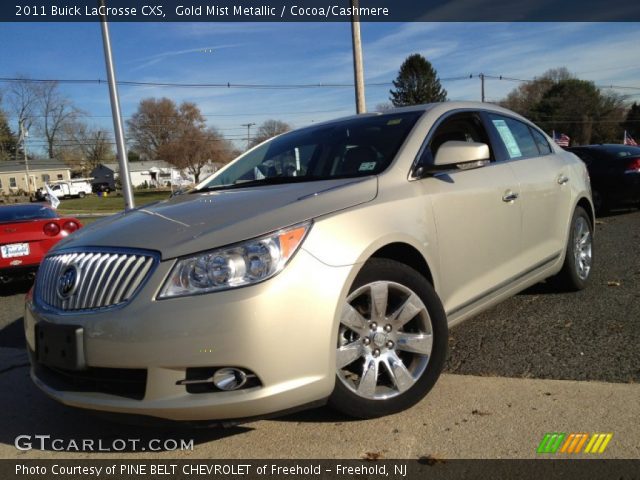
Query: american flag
(562, 139)
(628, 140)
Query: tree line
(556, 101)
(178, 133)
(160, 129)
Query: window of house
(12, 182)
(60, 176)
(46, 178)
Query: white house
(158, 173)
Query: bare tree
(153, 125)
(85, 147)
(195, 147)
(56, 111)
(269, 129)
(22, 99)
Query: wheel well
(405, 253)
(584, 203)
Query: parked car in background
(324, 265)
(27, 232)
(614, 172)
(101, 187)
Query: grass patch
(110, 204)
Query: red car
(27, 232)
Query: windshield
(350, 148)
(21, 213)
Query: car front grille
(104, 279)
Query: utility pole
(358, 69)
(24, 133)
(248, 125)
(482, 87)
(125, 179)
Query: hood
(191, 223)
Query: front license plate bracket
(60, 346)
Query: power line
(270, 113)
(526, 80)
(259, 86)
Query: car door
(478, 227)
(544, 184)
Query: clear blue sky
(286, 53)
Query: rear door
(478, 228)
(544, 187)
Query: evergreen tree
(8, 141)
(417, 82)
(632, 121)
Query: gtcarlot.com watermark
(47, 442)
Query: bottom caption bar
(426, 467)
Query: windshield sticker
(366, 166)
(507, 138)
(395, 121)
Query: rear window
(543, 145)
(516, 137)
(622, 150)
(21, 213)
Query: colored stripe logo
(555, 442)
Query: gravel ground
(589, 335)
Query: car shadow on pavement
(317, 415)
(15, 288)
(12, 335)
(24, 410)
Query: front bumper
(283, 330)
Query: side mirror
(457, 154)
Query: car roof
(442, 106)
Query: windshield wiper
(260, 182)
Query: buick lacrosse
(325, 265)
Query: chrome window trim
(411, 177)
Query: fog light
(229, 379)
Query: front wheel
(80, 194)
(578, 261)
(392, 341)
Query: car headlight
(238, 265)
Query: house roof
(35, 165)
(140, 166)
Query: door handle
(562, 179)
(510, 197)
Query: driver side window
(462, 127)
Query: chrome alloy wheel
(385, 340)
(582, 247)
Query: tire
(405, 333)
(578, 262)
(80, 194)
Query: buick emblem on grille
(68, 281)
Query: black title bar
(322, 11)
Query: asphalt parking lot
(535, 363)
